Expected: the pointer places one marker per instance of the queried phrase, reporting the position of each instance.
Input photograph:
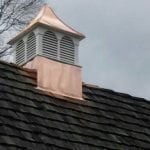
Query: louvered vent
(67, 49)
(50, 45)
(20, 53)
(31, 46)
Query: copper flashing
(31, 72)
(57, 78)
(48, 18)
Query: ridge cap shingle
(121, 94)
(32, 73)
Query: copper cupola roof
(46, 17)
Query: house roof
(32, 119)
(47, 18)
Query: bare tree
(14, 15)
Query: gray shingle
(106, 120)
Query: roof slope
(30, 119)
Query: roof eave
(78, 35)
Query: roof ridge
(124, 95)
(88, 85)
(11, 64)
(32, 72)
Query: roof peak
(48, 18)
(46, 12)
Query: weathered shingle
(31, 119)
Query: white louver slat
(67, 49)
(20, 53)
(50, 45)
(31, 46)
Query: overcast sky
(116, 51)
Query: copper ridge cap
(46, 16)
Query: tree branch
(14, 15)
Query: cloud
(116, 52)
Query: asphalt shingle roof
(33, 120)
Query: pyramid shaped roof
(48, 18)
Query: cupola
(51, 47)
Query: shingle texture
(32, 120)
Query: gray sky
(116, 51)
